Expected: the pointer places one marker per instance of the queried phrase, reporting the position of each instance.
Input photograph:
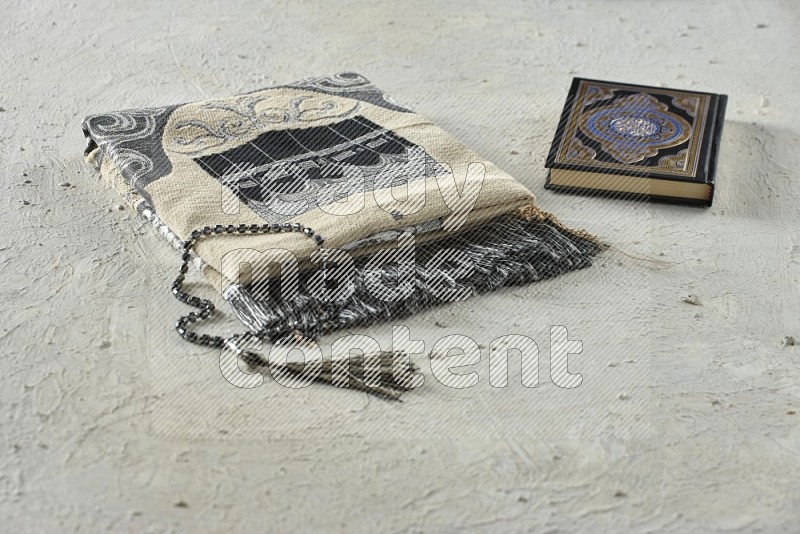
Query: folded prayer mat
(323, 204)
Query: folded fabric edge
(134, 200)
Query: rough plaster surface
(685, 420)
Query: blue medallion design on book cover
(634, 128)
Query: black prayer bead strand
(205, 306)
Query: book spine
(719, 121)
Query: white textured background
(684, 421)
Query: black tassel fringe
(507, 251)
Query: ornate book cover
(637, 141)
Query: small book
(637, 141)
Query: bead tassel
(387, 386)
(206, 306)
